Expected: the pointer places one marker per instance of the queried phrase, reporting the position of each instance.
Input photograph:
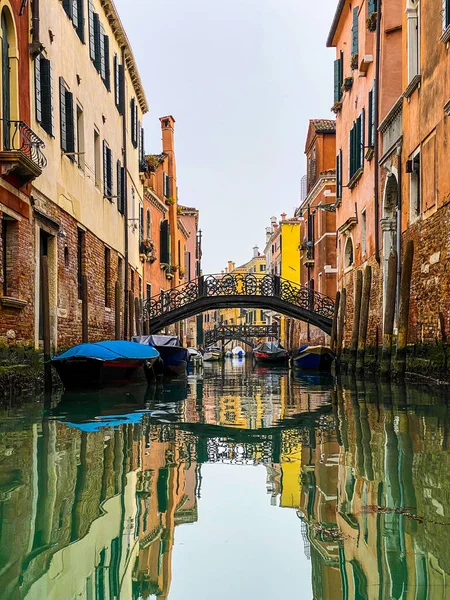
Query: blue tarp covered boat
(105, 363)
(174, 356)
(313, 358)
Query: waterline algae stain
(245, 482)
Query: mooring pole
(364, 318)
(84, 310)
(333, 334)
(356, 318)
(403, 315)
(117, 310)
(389, 313)
(131, 313)
(46, 324)
(341, 324)
(137, 316)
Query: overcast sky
(241, 78)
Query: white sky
(242, 78)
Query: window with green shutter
(91, 30)
(371, 118)
(339, 175)
(97, 43)
(80, 24)
(372, 7)
(107, 171)
(355, 31)
(102, 70)
(445, 14)
(338, 77)
(166, 185)
(67, 119)
(120, 188)
(134, 122)
(164, 255)
(107, 78)
(356, 145)
(37, 88)
(48, 117)
(142, 164)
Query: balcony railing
(18, 136)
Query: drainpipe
(399, 222)
(125, 200)
(376, 124)
(36, 46)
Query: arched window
(6, 82)
(348, 254)
(149, 225)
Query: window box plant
(371, 21)
(336, 107)
(347, 85)
(169, 201)
(354, 62)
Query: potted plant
(182, 272)
(174, 268)
(354, 62)
(336, 107)
(347, 85)
(169, 201)
(371, 21)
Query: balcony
(21, 153)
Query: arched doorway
(389, 223)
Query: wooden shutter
(47, 97)
(102, 52)
(70, 124)
(338, 175)
(67, 6)
(121, 89)
(107, 78)
(374, 105)
(141, 149)
(132, 113)
(337, 83)
(445, 14)
(120, 188)
(355, 31)
(75, 13)
(164, 255)
(350, 153)
(37, 88)
(80, 25)
(141, 222)
(97, 41)
(372, 7)
(105, 169)
(116, 81)
(91, 31)
(369, 119)
(362, 137)
(134, 125)
(62, 112)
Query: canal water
(240, 483)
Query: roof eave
(335, 23)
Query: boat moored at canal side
(174, 357)
(313, 358)
(271, 353)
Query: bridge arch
(212, 292)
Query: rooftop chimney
(231, 266)
(168, 133)
(255, 251)
(283, 216)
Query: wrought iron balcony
(21, 153)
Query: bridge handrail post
(277, 286)
(201, 286)
(162, 300)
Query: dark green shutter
(446, 13)
(109, 172)
(116, 81)
(107, 78)
(70, 124)
(47, 121)
(37, 88)
(62, 113)
(121, 89)
(337, 83)
(91, 31)
(105, 169)
(141, 150)
(80, 25)
(164, 254)
(133, 119)
(102, 52)
(372, 7)
(362, 137)
(374, 105)
(350, 154)
(355, 31)
(67, 6)
(97, 43)
(369, 119)
(338, 176)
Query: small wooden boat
(105, 363)
(174, 356)
(271, 353)
(195, 358)
(212, 354)
(313, 358)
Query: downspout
(376, 125)
(125, 200)
(399, 223)
(36, 46)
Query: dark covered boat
(105, 363)
(313, 358)
(174, 357)
(271, 353)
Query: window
(105, 70)
(364, 233)
(134, 122)
(312, 169)
(149, 225)
(164, 255)
(120, 188)
(339, 175)
(107, 171)
(149, 291)
(445, 14)
(44, 94)
(348, 254)
(67, 120)
(75, 11)
(9, 253)
(355, 31)
(338, 77)
(356, 145)
(372, 7)
(413, 168)
(413, 24)
(118, 85)
(99, 46)
(371, 117)
(142, 165)
(91, 30)
(141, 222)
(80, 137)
(80, 257)
(107, 276)
(262, 268)
(97, 168)
(166, 185)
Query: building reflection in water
(89, 511)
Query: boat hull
(212, 356)
(277, 358)
(316, 358)
(78, 373)
(174, 360)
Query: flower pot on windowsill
(372, 21)
(354, 62)
(169, 201)
(336, 107)
(347, 85)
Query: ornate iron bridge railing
(259, 290)
(243, 333)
